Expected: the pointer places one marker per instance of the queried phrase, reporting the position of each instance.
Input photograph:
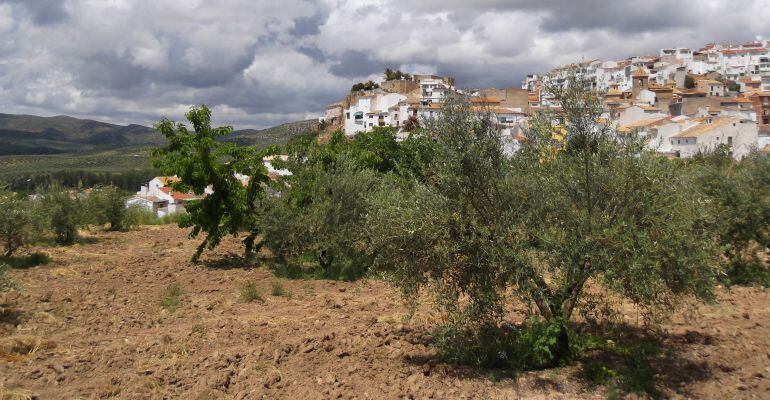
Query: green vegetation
(65, 212)
(250, 292)
(560, 214)
(107, 205)
(6, 283)
(277, 290)
(739, 197)
(28, 261)
(369, 85)
(689, 82)
(36, 152)
(447, 212)
(396, 75)
(277, 135)
(201, 162)
(316, 226)
(16, 221)
(171, 297)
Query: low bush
(747, 271)
(171, 297)
(32, 260)
(249, 293)
(143, 216)
(277, 289)
(628, 367)
(529, 346)
(6, 283)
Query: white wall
(744, 138)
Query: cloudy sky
(259, 63)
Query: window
(729, 140)
(678, 141)
(347, 115)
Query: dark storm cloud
(41, 12)
(261, 63)
(354, 63)
(307, 26)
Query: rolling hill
(36, 148)
(34, 135)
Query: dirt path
(89, 325)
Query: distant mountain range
(33, 135)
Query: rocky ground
(90, 325)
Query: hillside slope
(34, 135)
(30, 134)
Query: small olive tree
(321, 207)
(107, 205)
(578, 205)
(597, 208)
(202, 161)
(16, 221)
(64, 211)
(739, 197)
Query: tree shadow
(231, 261)
(26, 261)
(623, 359)
(635, 360)
(9, 319)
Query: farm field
(114, 160)
(126, 315)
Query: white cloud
(263, 62)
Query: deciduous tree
(202, 161)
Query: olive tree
(739, 196)
(578, 205)
(322, 205)
(204, 163)
(107, 205)
(16, 221)
(64, 211)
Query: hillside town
(682, 101)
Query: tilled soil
(90, 325)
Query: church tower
(640, 81)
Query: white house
(740, 135)
(373, 109)
(434, 88)
(659, 133)
(158, 196)
(639, 112)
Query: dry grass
(14, 394)
(21, 348)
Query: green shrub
(65, 213)
(6, 283)
(16, 221)
(738, 199)
(142, 216)
(107, 205)
(32, 260)
(249, 292)
(171, 297)
(277, 289)
(319, 218)
(525, 347)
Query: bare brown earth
(89, 325)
